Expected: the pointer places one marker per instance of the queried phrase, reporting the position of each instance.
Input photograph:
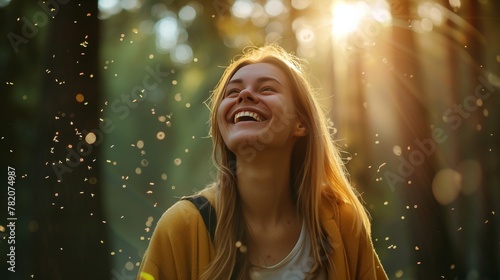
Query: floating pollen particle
(80, 97)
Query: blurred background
(105, 124)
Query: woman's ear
(300, 130)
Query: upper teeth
(253, 115)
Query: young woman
(284, 208)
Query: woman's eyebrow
(235, 81)
(260, 80)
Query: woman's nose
(247, 96)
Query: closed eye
(268, 89)
(232, 91)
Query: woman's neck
(264, 189)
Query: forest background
(104, 123)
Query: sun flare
(346, 17)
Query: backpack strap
(207, 212)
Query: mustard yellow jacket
(180, 247)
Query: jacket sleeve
(174, 251)
(362, 259)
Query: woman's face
(257, 111)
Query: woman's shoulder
(183, 212)
(209, 192)
(342, 212)
(337, 209)
(177, 216)
(179, 243)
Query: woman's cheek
(222, 112)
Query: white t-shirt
(295, 265)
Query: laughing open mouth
(247, 116)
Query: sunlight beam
(346, 17)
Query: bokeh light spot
(93, 180)
(80, 97)
(160, 135)
(446, 186)
(90, 138)
(274, 7)
(129, 266)
(182, 54)
(455, 4)
(140, 144)
(301, 4)
(242, 8)
(187, 13)
(397, 150)
(167, 31)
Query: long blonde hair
(317, 170)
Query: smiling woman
(283, 205)
(259, 92)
